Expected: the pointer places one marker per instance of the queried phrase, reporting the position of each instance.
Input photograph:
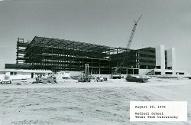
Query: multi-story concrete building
(165, 61)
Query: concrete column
(160, 58)
(171, 59)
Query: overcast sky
(106, 22)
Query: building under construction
(65, 55)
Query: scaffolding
(21, 50)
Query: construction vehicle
(5, 79)
(45, 79)
(100, 79)
(85, 77)
(117, 70)
(131, 78)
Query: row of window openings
(69, 53)
(169, 73)
(55, 64)
(71, 61)
(144, 55)
(159, 67)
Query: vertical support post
(87, 70)
(17, 51)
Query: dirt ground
(73, 103)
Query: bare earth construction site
(61, 77)
(74, 103)
(63, 82)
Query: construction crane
(128, 47)
(133, 32)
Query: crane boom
(133, 32)
(128, 45)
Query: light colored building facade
(165, 61)
(160, 60)
(171, 60)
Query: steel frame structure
(62, 55)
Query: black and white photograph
(95, 62)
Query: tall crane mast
(133, 32)
(131, 37)
(129, 43)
